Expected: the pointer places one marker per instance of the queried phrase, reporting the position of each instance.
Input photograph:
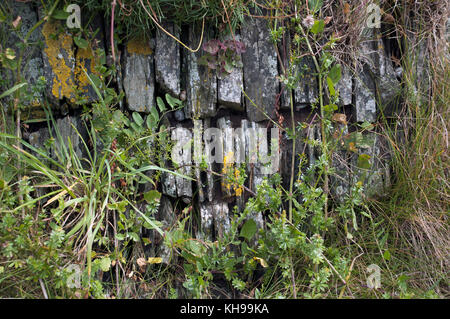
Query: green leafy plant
(222, 56)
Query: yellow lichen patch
(139, 45)
(85, 61)
(58, 49)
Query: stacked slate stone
(159, 65)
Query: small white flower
(308, 22)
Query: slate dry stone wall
(151, 68)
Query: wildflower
(308, 22)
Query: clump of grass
(133, 17)
(418, 207)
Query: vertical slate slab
(345, 86)
(377, 179)
(388, 87)
(205, 181)
(59, 62)
(230, 86)
(224, 124)
(206, 222)
(230, 89)
(307, 90)
(32, 63)
(139, 75)
(365, 100)
(167, 216)
(214, 221)
(201, 85)
(183, 138)
(167, 60)
(286, 156)
(260, 70)
(71, 127)
(198, 158)
(222, 223)
(285, 51)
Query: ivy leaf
(387, 255)
(249, 229)
(318, 26)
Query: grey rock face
(285, 102)
(260, 70)
(37, 139)
(32, 63)
(221, 219)
(201, 86)
(376, 180)
(230, 89)
(167, 60)
(224, 124)
(340, 180)
(307, 91)
(286, 156)
(179, 115)
(139, 76)
(230, 86)
(365, 101)
(206, 222)
(183, 151)
(167, 216)
(388, 87)
(69, 129)
(215, 220)
(345, 86)
(202, 155)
